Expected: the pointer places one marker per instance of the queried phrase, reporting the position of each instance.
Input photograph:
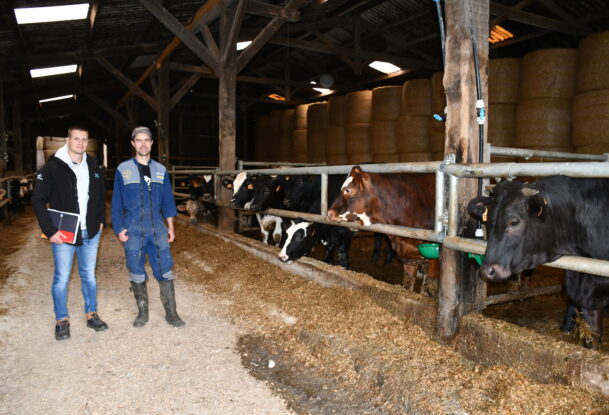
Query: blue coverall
(143, 213)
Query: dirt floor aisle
(153, 370)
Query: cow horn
(529, 191)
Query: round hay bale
(40, 143)
(359, 107)
(336, 159)
(386, 103)
(543, 122)
(501, 124)
(317, 116)
(436, 135)
(40, 159)
(285, 146)
(382, 137)
(300, 117)
(299, 145)
(335, 140)
(438, 96)
(548, 73)
(503, 80)
(385, 158)
(591, 117)
(412, 133)
(600, 148)
(593, 65)
(53, 143)
(410, 157)
(357, 137)
(317, 160)
(316, 146)
(564, 149)
(286, 122)
(437, 155)
(359, 158)
(416, 97)
(337, 106)
(48, 153)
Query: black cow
(201, 197)
(244, 187)
(532, 224)
(303, 236)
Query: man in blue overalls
(142, 201)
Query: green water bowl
(478, 257)
(430, 251)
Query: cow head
(267, 193)
(519, 236)
(243, 190)
(301, 237)
(354, 202)
(299, 191)
(195, 187)
(208, 188)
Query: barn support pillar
(227, 103)
(3, 137)
(163, 110)
(17, 138)
(460, 290)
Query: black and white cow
(244, 186)
(532, 224)
(201, 197)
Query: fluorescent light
(55, 70)
(243, 45)
(313, 83)
(499, 34)
(323, 90)
(52, 13)
(384, 67)
(56, 98)
(276, 97)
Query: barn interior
(215, 79)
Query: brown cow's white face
(351, 204)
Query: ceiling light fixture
(52, 13)
(244, 44)
(276, 97)
(56, 98)
(54, 70)
(323, 91)
(384, 67)
(499, 34)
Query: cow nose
(253, 206)
(284, 257)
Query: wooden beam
(263, 37)
(17, 138)
(163, 115)
(127, 82)
(519, 6)
(234, 31)
(259, 8)
(181, 32)
(538, 21)
(210, 41)
(2, 131)
(109, 109)
(461, 291)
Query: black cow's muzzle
(494, 272)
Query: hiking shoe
(96, 323)
(62, 330)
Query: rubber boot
(168, 298)
(141, 299)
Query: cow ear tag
(485, 215)
(278, 188)
(250, 186)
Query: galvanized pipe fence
(447, 202)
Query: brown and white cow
(395, 199)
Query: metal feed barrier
(448, 175)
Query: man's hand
(58, 238)
(172, 235)
(122, 235)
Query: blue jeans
(64, 257)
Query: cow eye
(347, 190)
(514, 222)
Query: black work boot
(141, 299)
(62, 330)
(168, 298)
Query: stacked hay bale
(299, 135)
(261, 133)
(317, 121)
(543, 113)
(437, 130)
(274, 134)
(286, 126)
(591, 104)
(335, 132)
(503, 82)
(358, 113)
(412, 126)
(386, 103)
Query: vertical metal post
(453, 205)
(324, 194)
(439, 201)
